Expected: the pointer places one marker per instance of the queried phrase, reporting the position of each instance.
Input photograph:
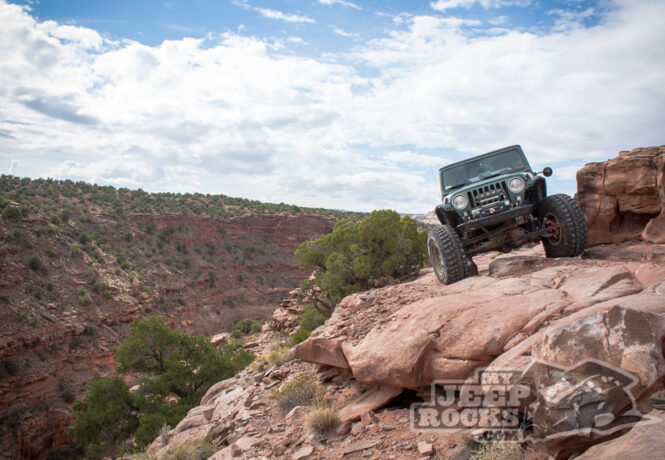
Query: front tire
(447, 255)
(565, 222)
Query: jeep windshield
(482, 167)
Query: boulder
(642, 442)
(623, 199)
(385, 340)
(370, 400)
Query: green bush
(247, 325)
(299, 336)
(12, 212)
(84, 238)
(74, 251)
(35, 263)
(356, 253)
(104, 418)
(10, 366)
(176, 370)
(85, 299)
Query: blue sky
(330, 103)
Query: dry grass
(321, 419)
(198, 450)
(302, 390)
(500, 450)
(274, 357)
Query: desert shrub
(273, 357)
(236, 334)
(35, 263)
(277, 356)
(499, 450)
(121, 258)
(100, 287)
(358, 252)
(85, 299)
(247, 325)
(12, 212)
(301, 390)
(51, 253)
(74, 251)
(199, 450)
(10, 366)
(299, 336)
(75, 342)
(321, 419)
(309, 320)
(84, 238)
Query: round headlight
(516, 185)
(460, 202)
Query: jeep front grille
(488, 194)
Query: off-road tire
(447, 254)
(571, 238)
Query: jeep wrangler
(495, 201)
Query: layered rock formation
(384, 346)
(201, 273)
(623, 199)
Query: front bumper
(497, 218)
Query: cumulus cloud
(360, 129)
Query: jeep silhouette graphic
(543, 401)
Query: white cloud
(443, 5)
(275, 14)
(339, 2)
(358, 130)
(341, 32)
(270, 13)
(498, 20)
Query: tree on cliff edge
(356, 253)
(176, 370)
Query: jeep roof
(445, 189)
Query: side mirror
(547, 172)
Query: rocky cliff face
(623, 199)
(381, 350)
(62, 318)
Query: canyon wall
(62, 318)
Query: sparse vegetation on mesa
(20, 197)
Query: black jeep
(495, 201)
